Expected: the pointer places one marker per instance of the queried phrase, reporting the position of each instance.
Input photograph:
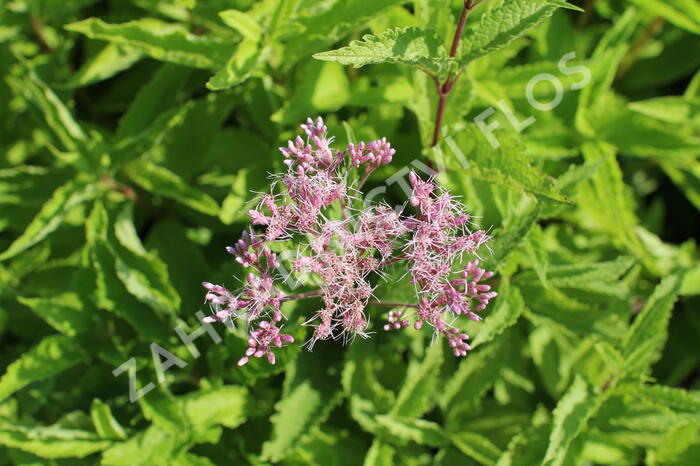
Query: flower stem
(445, 88)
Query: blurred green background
(133, 132)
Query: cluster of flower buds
(340, 242)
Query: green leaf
(587, 276)
(536, 252)
(571, 415)
(242, 22)
(161, 181)
(109, 61)
(419, 431)
(505, 166)
(65, 312)
(106, 426)
(110, 292)
(677, 399)
(53, 355)
(239, 67)
(508, 307)
(379, 454)
(418, 390)
(503, 24)
(51, 442)
(647, 335)
(51, 215)
(404, 46)
(311, 391)
(608, 188)
(225, 406)
(155, 97)
(687, 177)
(474, 376)
(160, 40)
(671, 109)
(682, 13)
(143, 274)
(476, 446)
(58, 117)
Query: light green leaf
(58, 117)
(239, 67)
(536, 252)
(65, 312)
(682, 13)
(508, 306)
(684, 111)
(155, 98)
(110, 292)
(648, 333)
(242, 22)
(476, 446)
(160, 40)
(379, 454)
(505, 165)
(503, 24)
(109, 61)
(311, 391)
(576, 407)
(419, 431)
(106, 426)
(51, 215)
(143, 273)
(407, 46)
(53, 355)
(417, 393)
(225, 406)
(161, 181)
(51, 442)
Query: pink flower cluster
(341, 244)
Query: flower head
(317, 206)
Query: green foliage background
(132, 132)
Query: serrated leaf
(155, 98)
(474, 376)
(51, 442)
(65, 312)
(419, 431)
(536, 252)
(379, 454)
(505, 165)
(109, 61)
(225, 406)
(648, 332)
(57, 115)
(476, 446)
(51, 215)
(106, 426)
(310, 392)
(682, 13)
(417, 392)
(576, 407)
(242, 22)
(110, 292)
(671, 109)
(160, 40)
(508, 307)
(405, 46)
(161, 181)
(53, 355)
(502, 25)
(239, 67)
(143, 274)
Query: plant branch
(444, 89)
